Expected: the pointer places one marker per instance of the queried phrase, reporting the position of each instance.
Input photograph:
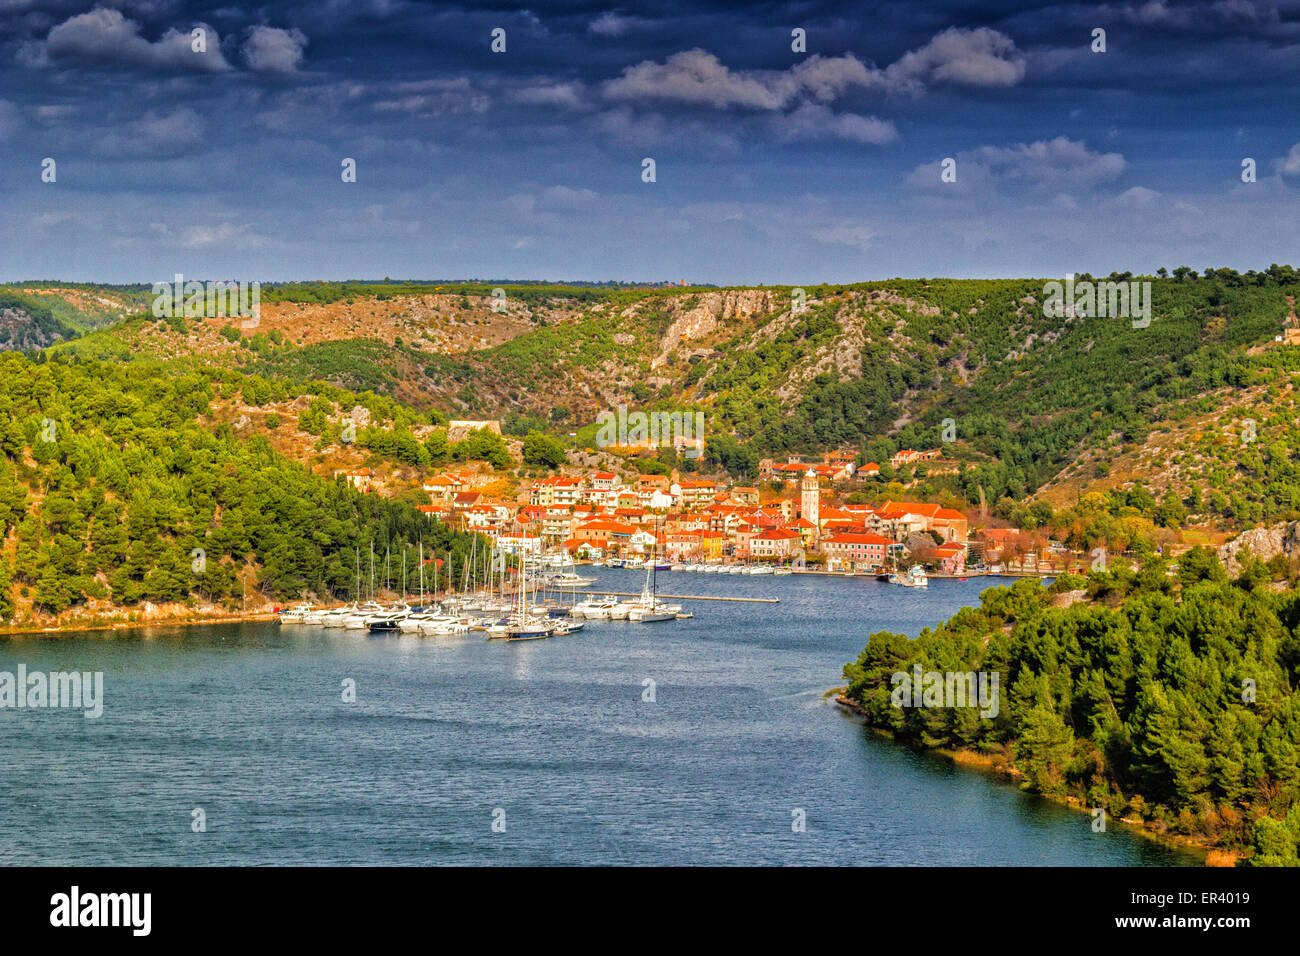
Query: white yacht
(568, 579)
(337, 617)
(298, 614)
(360, 619)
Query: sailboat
(648, 608)
(522, 625)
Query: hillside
(1056, 406)
(27, 324)
(123, 490)
(1165, 698)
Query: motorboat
(568, 579)
(298, 614)
(442, 624)
(390, 619)
(360, 619)
(596, 609)
(337, 617)
(914, 578)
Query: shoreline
(995, 765)
(97, 624)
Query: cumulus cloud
(697, 77)
(272, 50)
(1056, 162)
(105, 37)
(814, 121)
(978, 57)
(1059, 163)
(966, 57)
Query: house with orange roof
(693, 493)
(806, 529)
(443, 486)
(775, 544)
(436, 511)
(951, 525)
(951, 558)
(616, 534)
(712, 545)
(850, 551)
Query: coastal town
(802, 514)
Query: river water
(551, 740)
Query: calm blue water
(247, 723)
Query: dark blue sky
(772, 165)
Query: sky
(772, 163)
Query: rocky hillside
(1026, 402)
(28, 325)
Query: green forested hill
(1039, 405)
(109, 484)
(1171, 698)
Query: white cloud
(272, 50)
(224, 234)
(106, 37)
(566, 198)
(610, 24)
(979, 57)
(162, 135)
(844, 234)
(1056, 162)
(814, 121)
(435, 97)
(697, 77)
(563, 95)
(1139, 197)
(1290, 165)
(965, 57)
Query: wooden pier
(596, 592)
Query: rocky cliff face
(20, 331)
(710, 310)
(1263, 543)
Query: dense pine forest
(1169, 696)
(111, 490)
